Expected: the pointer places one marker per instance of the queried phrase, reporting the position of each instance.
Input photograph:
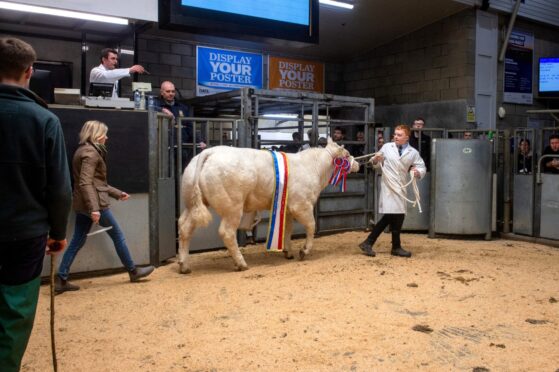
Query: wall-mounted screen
(290, 11)
(295, 20)
(548, 83)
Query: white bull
(234, 181)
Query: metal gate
(548, 185)
(523, 181)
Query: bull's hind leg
(288, 230)
(304, 214)
(228, 233)
(186, 228)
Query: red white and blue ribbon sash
(276, 228)
(339, 175)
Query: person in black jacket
(35, 197)
(423, 146)
(168, 105)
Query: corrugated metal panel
(546, 11)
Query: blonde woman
(91, 204)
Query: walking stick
(52, 342)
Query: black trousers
(395, 221)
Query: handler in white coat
(107, 72)
(396, 160)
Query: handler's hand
(376, 159)
(95, 216)
(124, 196)
(54, 247)
(415, 172)
(167, 112)
(202, 145)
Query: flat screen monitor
(101, 90)
(548, 83)
(41, 84)
(295, 20)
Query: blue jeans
(81, 228)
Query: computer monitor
(41, 84)
(101, 90)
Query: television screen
(549, 77)
(295, 20)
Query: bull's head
(338, 151)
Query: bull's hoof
(302, 254)
(184, 270)
(288, 255)
(241, 268)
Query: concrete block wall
(546, 40)
(435, 63)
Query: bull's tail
(199, 212)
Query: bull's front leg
(228, 233)
(288, 231)
(304, 214)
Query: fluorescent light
(62, 13)
(127, 51)
(337, 3)
(281, 116)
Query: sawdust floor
(473, 304)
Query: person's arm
(58, 192)
(378, 159)
(99, 75)
(87, 189)
(418, 167)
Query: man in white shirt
(107, 72)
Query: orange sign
(295, 74)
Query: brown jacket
(91, 191)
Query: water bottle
(137, 99)
(150, 103)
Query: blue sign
(221, 70)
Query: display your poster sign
(295, 74)
(518, 68)
(221, 70)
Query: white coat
(389, 201)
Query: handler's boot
(400, 252)
(140, 272)
(61, 285)
(367, 248)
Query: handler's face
(554, 144)
(400, 137)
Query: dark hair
(296, 135)
(524, 140)
(553, 136)
(16, 56)
(419, 118)
(105, 53)
(342, 130)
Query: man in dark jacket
(423, 146)
(168, 105)
(35, 197)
